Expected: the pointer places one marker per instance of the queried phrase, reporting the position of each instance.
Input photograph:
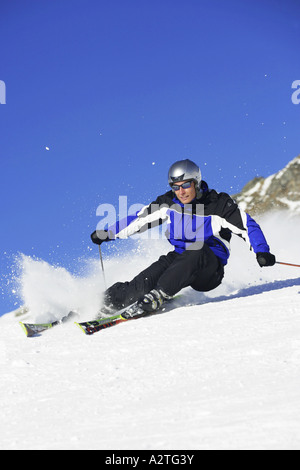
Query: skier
(200, 222)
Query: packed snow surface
(219, 371)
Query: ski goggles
(186, 185)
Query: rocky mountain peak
(280, 191)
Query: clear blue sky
(112, 86)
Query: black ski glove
(265, 259)
(100, 236)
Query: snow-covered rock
(280, 191)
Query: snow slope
(221, 371)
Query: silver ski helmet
(184, 170)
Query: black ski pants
(200, 269)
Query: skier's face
(186, 195)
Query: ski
(132, 312)
(34, 329)
(91, 327)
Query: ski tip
(26, 330)
(81, 328)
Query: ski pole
(288, 264)
(102, 266)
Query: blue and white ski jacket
(210, 219)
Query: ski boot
(153, 300)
